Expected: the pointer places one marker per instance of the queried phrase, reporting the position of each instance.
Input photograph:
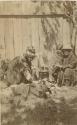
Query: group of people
(20, 68)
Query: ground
(21, 105)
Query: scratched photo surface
(38, 62)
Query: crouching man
(20, 68)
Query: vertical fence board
(66, 33)
(34, 32)
(36, 38)
(76, 44)
(8, 38)
(41, 38)
(17, 37)
(2, 44)
(25, 33)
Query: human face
(30, 58)
(66, 52)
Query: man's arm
(72, 65)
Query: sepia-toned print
(38, 62)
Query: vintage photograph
(38, 62)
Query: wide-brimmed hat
(67, 47)
(30, 52)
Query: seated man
(66, 69)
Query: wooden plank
(8, 38)
(17, 7)
(66, 33)
(11, 39)
(76, 43)
(26, 33)
(17, 37)
(41, 38)
(27, 8)
(34, 33)
(60, 31)
(2, 44)
(6, 34)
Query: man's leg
(60, 78)
(69, 77)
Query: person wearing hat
(27, 60)
(67, 67)
(20, 68)
(29, 56)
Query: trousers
(67, 77)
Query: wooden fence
(18, 29)
(18, 33)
